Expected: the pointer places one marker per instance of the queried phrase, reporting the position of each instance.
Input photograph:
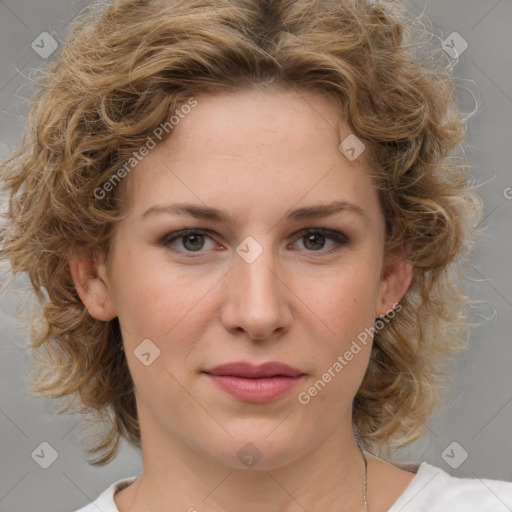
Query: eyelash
(340, 238)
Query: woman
(246, 222)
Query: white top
(431, 490)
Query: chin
(259, 447)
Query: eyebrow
(213, 214)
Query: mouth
(249, 371)
(255, 384)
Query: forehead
(254, 149)
(273, 121)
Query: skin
(254, 155)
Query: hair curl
(124, 67)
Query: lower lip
(255, 390)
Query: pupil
(310, 238)
(196, 246)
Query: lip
(255, 384)
(248, 370)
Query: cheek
(346, 305)
(346, 299)
(153, 299)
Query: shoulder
(434, 490)
(105, 501)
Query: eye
(314, 239)
(192, 240)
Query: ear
(395, 281)
(88, 271)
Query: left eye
(193, 240)
(313, 238)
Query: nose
(257, 297)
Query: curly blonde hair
(125, 66)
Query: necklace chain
(365, 482)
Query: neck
(329, 477)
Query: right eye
(191, 241)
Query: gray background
(480, 417)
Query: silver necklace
(365, 483)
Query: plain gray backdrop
(476, 428)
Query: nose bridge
(256, 273)
(256, 299)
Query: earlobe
(88, 272)
(394, 285)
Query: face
(282, 262)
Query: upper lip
(248, 370)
